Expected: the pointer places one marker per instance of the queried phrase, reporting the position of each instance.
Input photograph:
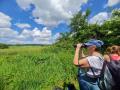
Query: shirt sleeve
(95, 62)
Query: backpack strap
(103, 68)
(93, 72)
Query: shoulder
(92, 57)
(94, 61)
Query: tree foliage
(79, 25)
(111, 29)
(82, 31)
(3, 46)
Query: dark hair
(98, 49)
(108, 50)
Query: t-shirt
(96, 63)
(113, 57)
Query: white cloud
(4, 20)
(52, 12)
(23, 25)
(34, 36)
(112, 2)
(8, 33)
(99, 18)
(24, 3)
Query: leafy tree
(65, 41)
(3, 46)
(111, 29)
(82, 31)
(79, 26)
(116, 13)
(109, 32)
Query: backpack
(114, 67)
(110, 76)
(106, 81)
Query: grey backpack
(106, 80)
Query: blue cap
(97, 43)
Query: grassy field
(36, 68)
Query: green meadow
(36, 68)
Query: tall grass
(36, 68)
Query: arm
(83, 61)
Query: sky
(42, 21)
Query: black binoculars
(83, 45)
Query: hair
(98, 49)
(113, 50)
(108, 50)
(119, 50)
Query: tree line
(81, 30)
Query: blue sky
(42, 21)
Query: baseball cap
(97, 43)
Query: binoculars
(83, 45)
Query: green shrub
(3, 46)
